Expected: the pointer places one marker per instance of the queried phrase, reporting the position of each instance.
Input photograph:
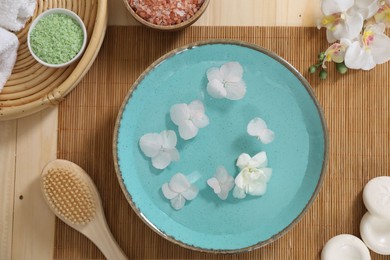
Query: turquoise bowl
(277, 93)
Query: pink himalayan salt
(165, 12)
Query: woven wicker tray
(33, 87)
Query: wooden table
(27, 144)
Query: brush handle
(99, 233)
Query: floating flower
(226, 82)
(257, 127)
(340, 20)
(372, 48)
(253, 176)
(160, 147)
(222, 183)
(189, 118)
(383, 14)
(179, 190)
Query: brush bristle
(68, 196)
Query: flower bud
(321, 56)
(312, 69)
(341, 68)
(323, 74)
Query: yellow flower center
(330, 21)
(368, 37)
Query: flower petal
(236, 90)
(214, 184)
(329, 36)
(240, 181)
(161, 161)
(238, 193)
(266, 136)
(367, 7)
(229, 184)
(198, 117)
(200, 121)
(223, 194)
(190, 193)
(256, 126)
(380, 49)
(179, 183)
(216, 89)
(357, 58)
(214, 74)
(257, 189)
(169, 139)
(353, 27)
(178, 202)
(168, 193)
(221, 174)
(150, 144)
(188, 130)
(329, 7)
(243, 160)
(173, 154)
(232, 71)
(267, 173)
(179, 113)
(196, 106)
(259, 160)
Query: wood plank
(33, 236)
(7, 179)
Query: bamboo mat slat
(356, 107)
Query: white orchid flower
(253, 177)
(189, 118)
(179, 190)
(383, 14)
(372, 48)
(222, 183)
(335, 53)
(226, 82)
(160, 147)
(340, 20)
(258, 128)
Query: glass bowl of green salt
(57, 38)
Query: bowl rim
(175, 27)
(58, 11)
(309, 90)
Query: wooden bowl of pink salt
(167, 15)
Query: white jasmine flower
(373, 47)
(226, 82)
(160, 147)
(341, 20)
(258, 128)
(222, 183)
(189, 118)
(383, 14)
(253, 177)
(179, 190)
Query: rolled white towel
(15, 13)
(9, 44)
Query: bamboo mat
(356, 106)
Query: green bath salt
(56, 38)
